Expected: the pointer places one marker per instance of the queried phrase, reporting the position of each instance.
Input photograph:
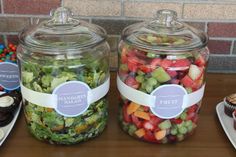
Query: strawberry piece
(172, 73)
(136, 121)
(147, 125)
(176, 121)
(126, 117)
(149, 136)
(192, 109)
(181, 63)
(200, 61)
(131, 81)
(187, 81)
(166, 63)
(195, 119)
(155, 120)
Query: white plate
(227, 123)
(7, 129)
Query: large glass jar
(161, 78)
(64, 68)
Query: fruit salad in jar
(161, 85)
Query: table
(209, 139)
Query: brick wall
(216, 17)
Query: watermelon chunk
(166, 63)
(181, 63)
(146, 68)
(172, 73)
(132, 67)
(187, 81)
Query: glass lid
(164, 33)
(61, 33)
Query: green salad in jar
(44, 76)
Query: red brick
(219, 46)
(30, 6)
(222, 30)
(13, 39)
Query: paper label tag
(72, 98)
(166, 101)
(169, 101)
(9, 76)
(69, 99)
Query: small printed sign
(72, 98)
(9, 76)
(169, 101)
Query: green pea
(190, 128)
(183, 130)
(183, 116)
(173, 131)
(188, 123)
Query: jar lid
(61, 33)
(165, 33)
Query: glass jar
(161, 78)
(64, 73)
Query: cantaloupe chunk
(160, 134)
(141, 114)
(49, 109)
(132, 108)
(140, 132)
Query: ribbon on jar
(69, 99)
(166, 101)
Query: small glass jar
(64, 71)
(161, 78)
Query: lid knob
(166, 17)
(62, 16)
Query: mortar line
(232, 48)
(2, 8)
